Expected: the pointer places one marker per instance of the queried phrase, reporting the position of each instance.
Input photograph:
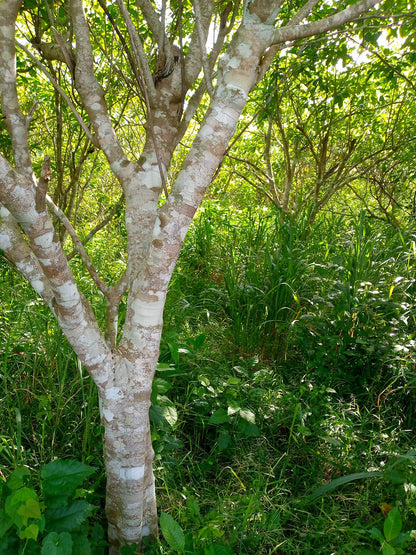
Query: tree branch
(99, 226)
(59, 89)
(78, 246)
(92, 95)
(138, 52)
(202, 38)
(72, 312)
(16, 122)
(152, 20)
(298, 32)
(19, 254)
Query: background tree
(152, 58)
(331, 118)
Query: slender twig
(56, 85)
(78, 245)
(99, 226)
(202, 43)
(138, 50)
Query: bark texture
(158, 209)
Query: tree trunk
(130, 501)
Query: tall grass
(48, 405)
(286, 363)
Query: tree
(96, 76)
(323, 127)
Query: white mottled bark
(156, 230)
(131, 500)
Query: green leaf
(159, 386)
(217, 549)
(30, 533)
(220, 416)
(66, 519)
(248, 429)
(31, 509)
(392, 524)
(330, 486)
(198, 341)
(20, 504)
(224, 440)
(387, 549)
(172, 532)
(377, 534)
(5, 522)
(170, 414)
(62, 478)
(171, 442)
(81, 544)
(57, 544)
(16, 478)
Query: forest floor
(283, 415)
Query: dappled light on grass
(268, 435)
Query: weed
(54, 521)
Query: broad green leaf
(5, 522)
(387, 549)
(377, 534)
(159, 387)
(220, 416)
(81, 544)
(402, 539)
(66, 519)
(21, 501)
(171, 442)
(31, 509)
(30, 533)
(172, 532)
(57, 544)
(217, 549)
(170, 414)
(157, 417)
(63, 477)
(392, 524)
(224, 440)
(16, 478)
(248, 429)
(233, 407)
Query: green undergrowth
(283, 408)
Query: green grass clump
(283, 406)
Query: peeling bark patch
(38, 286)
(163, 221)
(148, 297)
(44, 241)
(245, 50)
(147, 314)
(134, 473)
(188, 210)
(240, 80)
(114, 393)
(5, 242)
(108, 415)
